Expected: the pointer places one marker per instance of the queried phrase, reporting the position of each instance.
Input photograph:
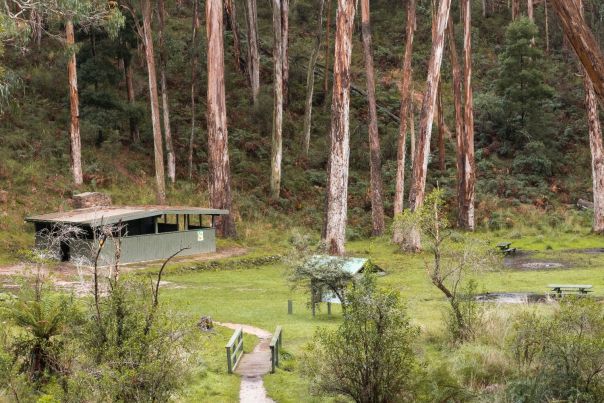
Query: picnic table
(561, 289)
(505, 248)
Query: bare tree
(194, 61)
(218, 146)
(310, 84)
(406, 105)
(467, 204)
(596, 147)
(440, 123)
(128, 74)
(171, 158)
(232, 24)
(515, 9)
(74, 130)
(459, 116)
(583, 42)
(285, 49)
(277, 135)
(337, 182)
(253, 60)
(420, 166)
(327, 53)
(375, 160)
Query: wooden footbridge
(254, 365)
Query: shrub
(369, 357)
(562, 355)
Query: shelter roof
(97, 216)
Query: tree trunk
(583, 42)
(375, 160)
(412, 133)
(420, 166)
(253, 60)
(285, 51)
(597, 155)
(459, 119)
(74, 103)
(128, 73)
(327, 53)
(441, 131)
(597, 149)
(530, 10)
(194, 61)
(218, 143)
(405, 111)
(515, 9)
(310, 85)
(171, 159)
(154, 101)
(484, 8)
(467, 213)
(546, 26)
(231, 12)
(277, 138)
(337, 182)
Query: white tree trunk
(277, 137)
(154, 101)
(74, 103)
(420, 166)
(337, 183)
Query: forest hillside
(531, 135)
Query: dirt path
(253, 365)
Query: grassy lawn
(258, 296)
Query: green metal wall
(142, 248)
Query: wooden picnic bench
(505, 248)
(561, 289)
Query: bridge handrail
(234, 350)
(276, 343)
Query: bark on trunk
(277, 137)
(74, 104)
(218, 145)
(128, 73)
(327, 53)
(583, 42)
(406, 104)
(467, 213)
(285, 51)
(596, 147)
(597, 155)
(546, 26)
(459, 119)
(194, 62)
(515, 9)
(231, 12)
(412, 133)
(171, 159)
(158, 151)
(337, 183)
(310, 84)
(530, 10)
(420, 166)
(253, 60)
(441, 131)
(484, 8)
(375, 160)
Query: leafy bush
(370, 356)
(562, 357)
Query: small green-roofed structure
(147, 232)
(352, 265)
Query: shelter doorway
(65, 252)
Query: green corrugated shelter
(147, 232)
